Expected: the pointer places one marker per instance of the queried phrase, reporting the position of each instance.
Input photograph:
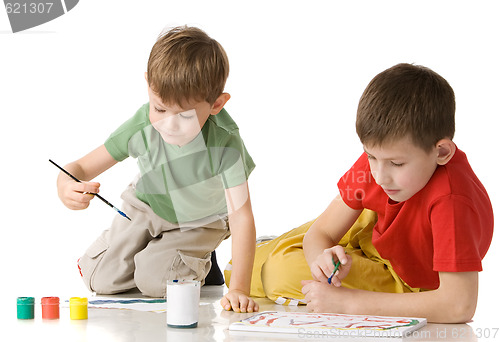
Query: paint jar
(25, 307)
(183, 301)
(78, 308)
(50, 307)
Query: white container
(183, 301)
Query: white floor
(67, 85)
(129, 325)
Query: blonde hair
(185, 64)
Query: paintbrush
(337, 265)
(97, 195)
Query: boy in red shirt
(434, 218)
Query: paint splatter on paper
(329, 324)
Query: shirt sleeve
(235, 162)
(354, 185)
(117, 143)
(457, 235)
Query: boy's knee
(282, 275)
(105, 286)
(151, 277)
(97, 281)
(101, 278)
(151, 286)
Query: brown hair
(406, 100)
(186, 64)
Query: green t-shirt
(186, 183)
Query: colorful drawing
(331, 324)
(158, 305)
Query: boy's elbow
(457, 297)
(461, 311)
(464, 311)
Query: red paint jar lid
(50, 301)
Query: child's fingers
(336, 280)
(88, 187)
(224, 302)
(77, 196)
(252, 306)
(342, 271)
(235, 305)
(317, 272)
(306, 286)
(230, 301)
(305, 282)
(238, 303)
(243, 303)
(340, 254)
(255, 306)
(326, 263)
(321, 264)
(78, 205)
(324, 266)
(247, 304)
(85, 193)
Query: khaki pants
(148, 251)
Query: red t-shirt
(445, 227)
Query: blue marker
(97, 195)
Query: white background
(297, 72)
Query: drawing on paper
(332, 323)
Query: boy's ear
(446, 150)
(146, 77)
(220, 103)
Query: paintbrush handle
(97, 195)
(337, 265)
(66, 172)
(102, 199)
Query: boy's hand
(323, 266)
(239, 302)
(75, 195)
(321, 297)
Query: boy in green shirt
(192, 189)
